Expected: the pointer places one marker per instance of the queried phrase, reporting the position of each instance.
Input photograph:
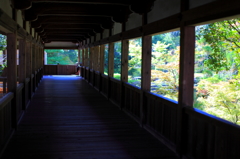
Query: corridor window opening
(117, 60)
(135, 62)
(61, 56)
(106, 48)
(217, 69)
(165, 64)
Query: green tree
(224, 39)
(3, 42)
(63, 57)
(117, 59)
(217, 57)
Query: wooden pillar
(22, 69)
(87, 57)
(12, 73)
(102, 51)
(83, 57)
(124, 59)
(98, 58)
(29, 59)
(186, 80)
(124, 70)
(33, 67)
(146, 63)
(79, 56)
(22, 61)
(145, 75)
(33, 58)
(111, 60)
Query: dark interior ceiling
(76, 20)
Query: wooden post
(145, 74)
(33, 67)
(79, 57)
(33, 58)
(124, 69)
(29, 59)
(102, 49)
(110, 67)
(124, 59)
(111, 60)
(87, 57)
(12, 73)
(146, 63)
(22, 60)
(186, 79)
(22, 68)
(83, 56)
(98, 58)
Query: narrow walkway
(68, 119)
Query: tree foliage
(165, 64)
(218, 59)
(224, 39)
(3, 42)
(63, 57)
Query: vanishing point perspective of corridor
(69, 119)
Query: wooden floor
(68, 119)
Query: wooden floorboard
(68, 119)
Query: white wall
(105, 33)
(163, 9)
(62, 44)
(19, 18)
(134, 21)
(5, 6)
(27, 27)
(196, 3)
(98, 37)
(92, 38)
(117, 28)
(33, 32)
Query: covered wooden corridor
(69, 119)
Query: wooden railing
(97, 80)
(27, 93)
(115, 90)
(12, 107)
(132, 96)
(202, 135)
(207, 136)
(91, 77)
(19, 101)
(161, 116)
(104, 85)
(3, 81)
(59, 69)
(5, 119)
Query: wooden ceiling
(77, 20)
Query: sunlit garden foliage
(217, 66)
(165, 64)
(63, 57)
(135, 62)
(106, 47)
(117, 60)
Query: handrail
(27, 80)
(211, 118)
(163, 99)
(20, 86)
(132, 87)
(97, 72)
(115, 80)
(6, 99)
(104, 76)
